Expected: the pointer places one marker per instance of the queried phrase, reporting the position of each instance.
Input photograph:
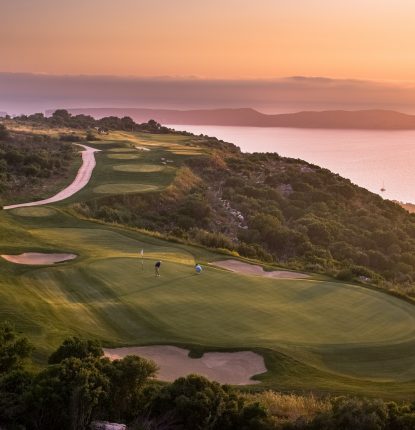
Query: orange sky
(370, 39)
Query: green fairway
(149, 168)
(119, 150)
(123, 156)
(314, 334)
(124, 188)
(35, 211)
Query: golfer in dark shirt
(157, 268)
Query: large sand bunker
(36, 258)
(236, 368)
(253, 270)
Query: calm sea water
(367, 158)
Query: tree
(36, 117)
(127, 123)
(65, 395)
(200, 404)
(61, 117)
(76, 347)
(13, 390)
(14, 350)
(127, 378)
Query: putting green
(122, 150)
(35, 211)
(187, 152)
(125, 188)
(141, 168)
(123, 156)
(338, 327)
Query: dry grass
(184, 181)
(290, 407)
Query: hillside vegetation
(30, 164)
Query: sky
(215, 39)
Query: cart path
(82, 178)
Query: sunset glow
(371, 39)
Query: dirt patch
(253, 270)
(236, 368)
(36, 258)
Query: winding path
(82, 178)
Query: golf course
(314, 333)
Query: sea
(371, 159)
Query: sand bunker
(142, 148)
(36, 258)
(253, 270)
(236, 368)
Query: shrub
(4, 133)
(345, 275)
(199, 404)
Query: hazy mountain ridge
(330, 119)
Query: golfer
(198, 269)
(157, 268)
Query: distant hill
(340, 119)
(410, 207)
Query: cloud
(26, 93)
